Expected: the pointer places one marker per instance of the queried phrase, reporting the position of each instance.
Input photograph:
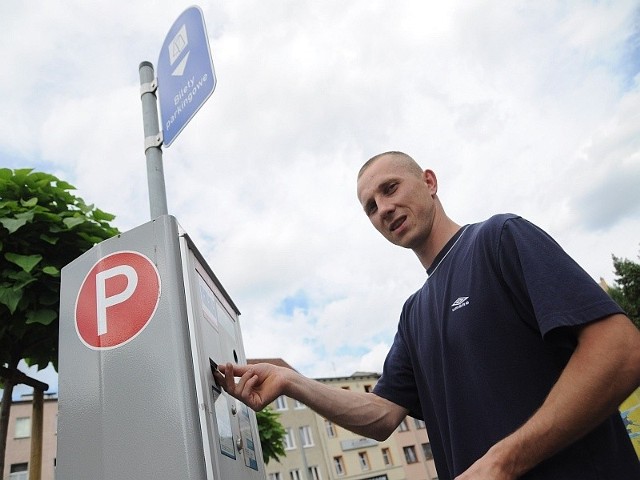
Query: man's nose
(385, 208)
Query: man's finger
(249, 394)
(241, 385)
(227, 380)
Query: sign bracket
(152, 141)
(149, 87)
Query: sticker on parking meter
(117, 299)
(208, 303)
(247, 438)
(225, 432)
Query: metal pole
(152, 141)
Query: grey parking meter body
(142, 319)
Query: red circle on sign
(116, 300)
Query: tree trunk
(5, 409)
(35, 464)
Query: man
(513, 356)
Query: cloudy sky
(524, 107)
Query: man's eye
(391, 188)
(371, 209)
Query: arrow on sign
(181, 66)
(178, 45)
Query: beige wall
(416, 435)
(294, 416)
(18, 448)
(422, 469)
(349, 446)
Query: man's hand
(258, 386)
(603, 370)
(488, 467)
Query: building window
(386, 457)
(299, 405)
(281, 403)
(314, 473)
(426, 449)
(346, 388)
(338, 464)
(23, 427)
(19, 471)
(368, 388)
(295, 474)
(275, 476)
(330, 429)
(410, 454)
(419, 423)
(403, 427)
(289, 442)
(305, 436)
(363, 458)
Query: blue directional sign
(185, 73)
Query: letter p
(103, 302)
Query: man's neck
(442, 231)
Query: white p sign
(117, 299)
(102, 301)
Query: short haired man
(514, 357)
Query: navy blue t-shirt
(481, 344)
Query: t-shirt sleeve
(546, 281)
(397, 383)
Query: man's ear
(429, 177)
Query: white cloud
(374, 359)
(517, 106)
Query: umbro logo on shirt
(459, 303)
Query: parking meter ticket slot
(214, 368)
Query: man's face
(398, 201)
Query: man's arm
(363, 413)
(603, 371)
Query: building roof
(365, 374)
(279, 362)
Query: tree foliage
(43, 227)
(627, 287)
(271, 435)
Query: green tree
(271, 435)
(626, 290)
(43, 227)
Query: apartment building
(406, 454)
(317, 449)
(16, 461)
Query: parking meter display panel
(230, 339)
(230, 431)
